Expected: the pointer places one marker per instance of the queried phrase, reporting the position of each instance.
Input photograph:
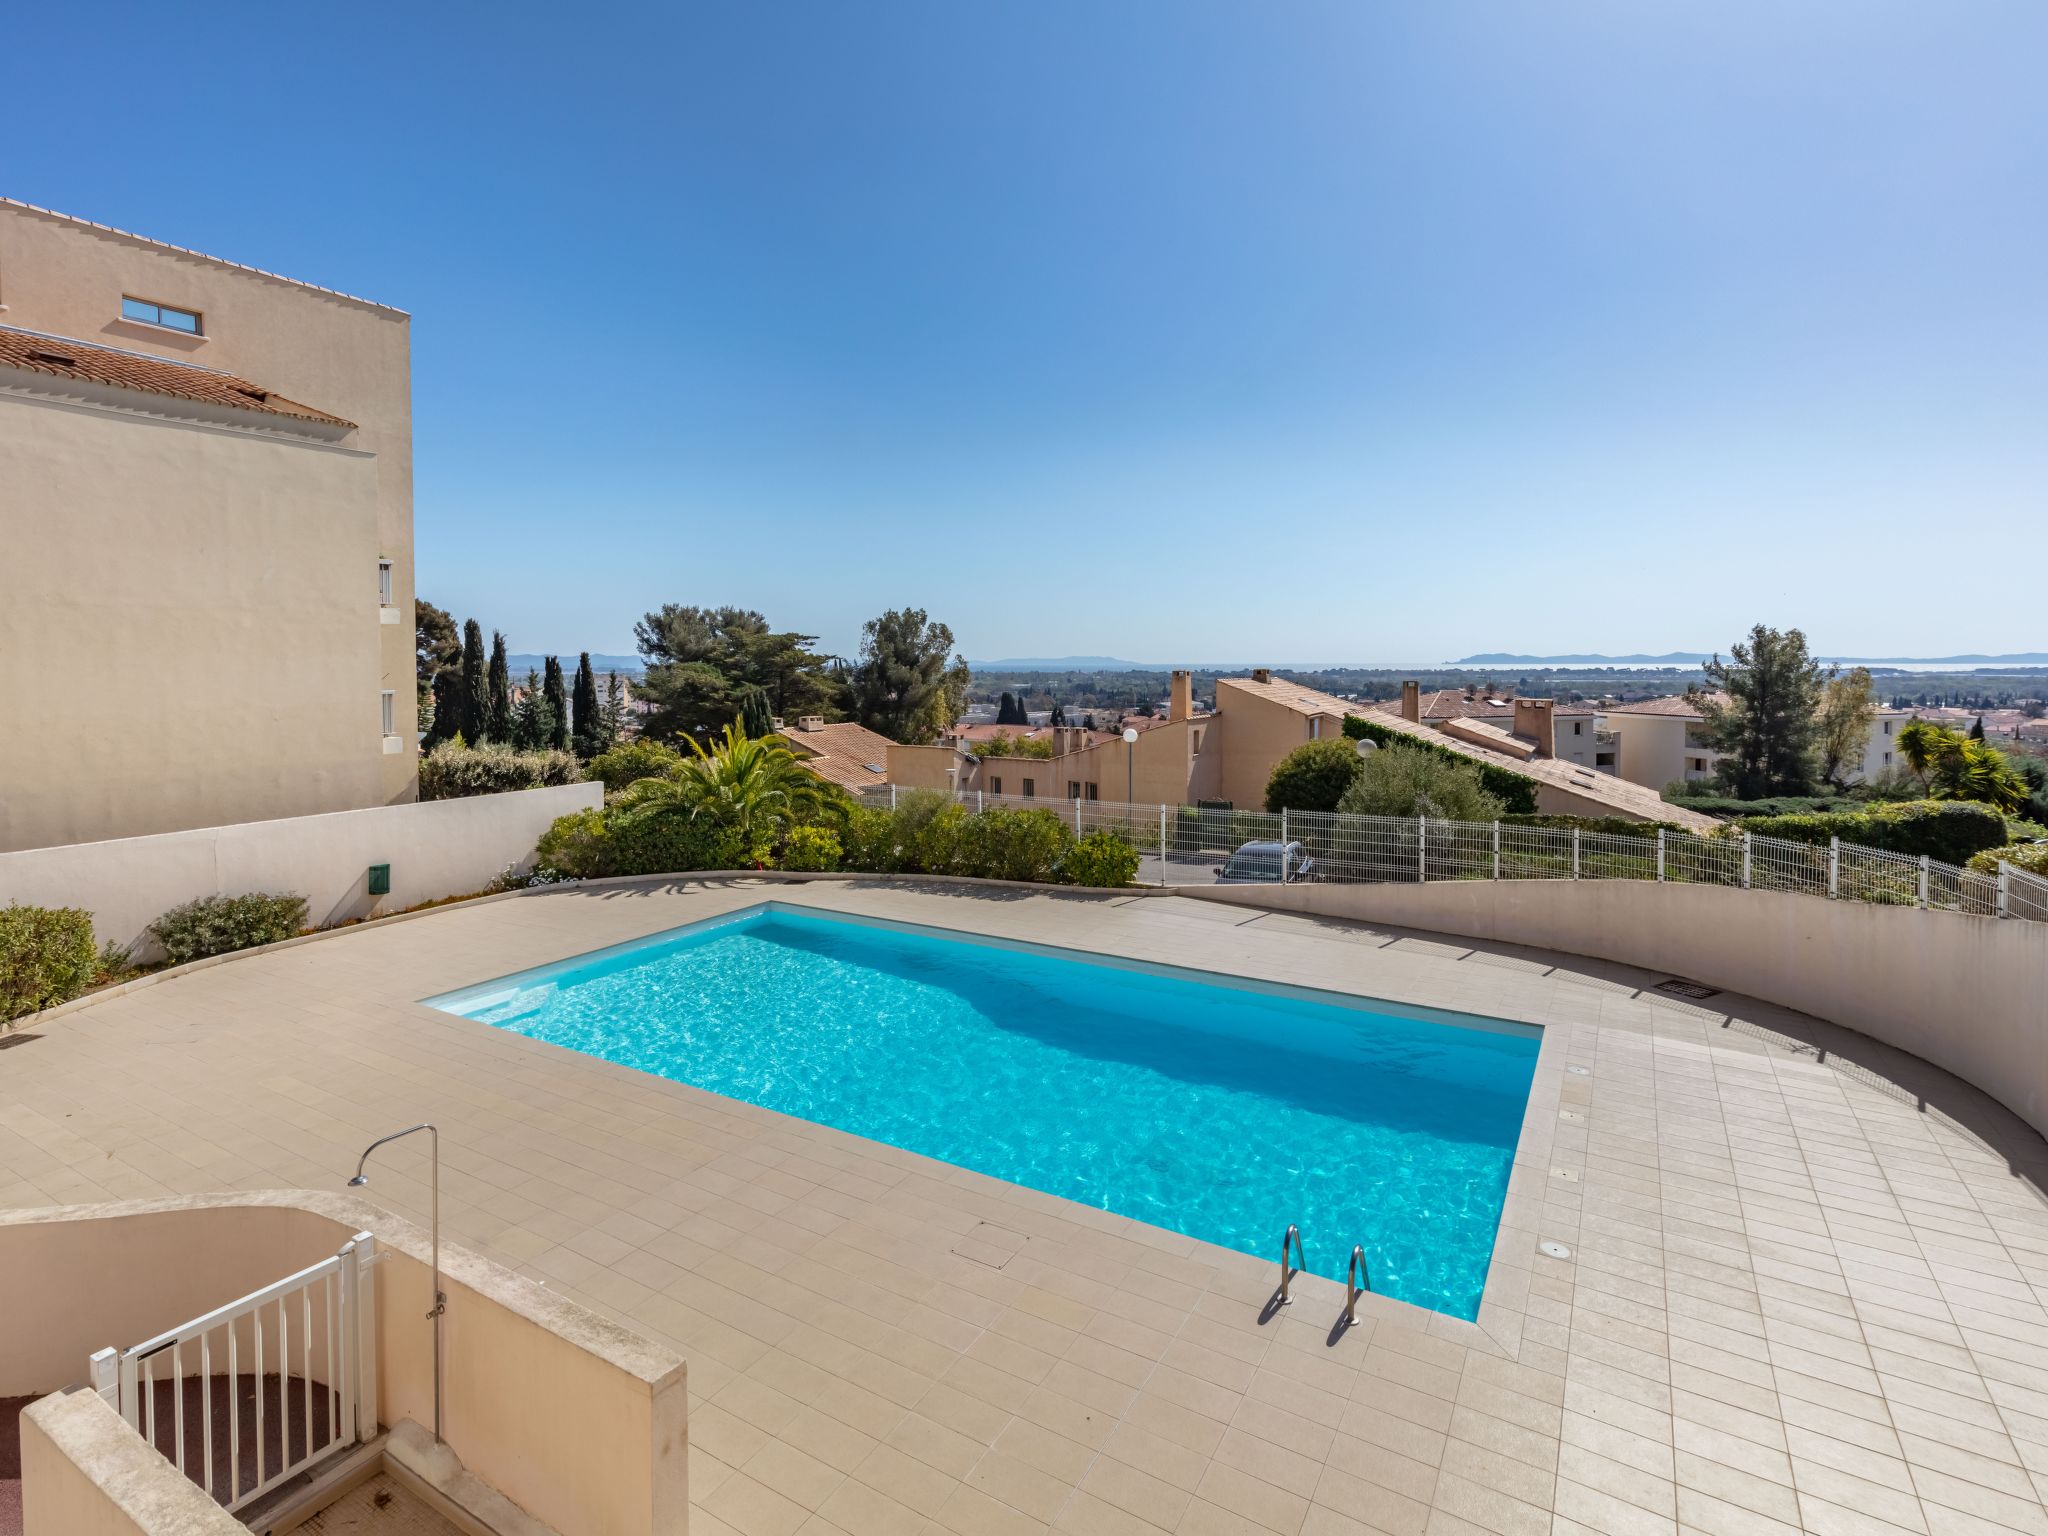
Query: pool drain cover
(1553, 1250)
(1680, 988)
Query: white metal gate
(258, 1390)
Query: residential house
(840, 752)
(206, 509)
(1661, 741)
(1580, 737)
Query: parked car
(1267, 863)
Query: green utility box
(380, 879)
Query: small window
(390, 713)
(1887, 756)
(995, 786)
(1073, 789)
(384, 583)
(1315, 729)
(1578, 727)
(1091, 792)
(1030, 789)
(160, 314)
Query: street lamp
(1130, 763)
(440, 1297)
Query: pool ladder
(1358, 1270)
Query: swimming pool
(1219, 1109)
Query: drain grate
(1677, 987)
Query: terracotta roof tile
(1677, 705)
(65, 358)
(1302, 700)
(842, 753)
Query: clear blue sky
(1162, 330)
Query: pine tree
(757, 718)
(529, 723)
(557, 700)
(498, 723)
(1059, 716)
(1977, 729)
(583, 716)
(1011, 712)
(611, 720)
(474, 716)
(448, 702)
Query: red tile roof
(1680, 705)
(64, 358)
(843, 753)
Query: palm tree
(748, 788)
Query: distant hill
(1694, 658)
(1071, 664)
(630, 666)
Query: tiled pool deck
(1806, 1286)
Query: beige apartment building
(206, 507)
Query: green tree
(909, 684)
(498, 717)
(1314, 776)
(437, 646)
(1767, 732)
(557, 698)
(1011, 712)
(756, 719)
(1059, 716)
(1977, 729)
(583, 711)
(1848, 706)
(1404, 780)
(746, 789)
(476, 688)
(446, 713)
(698, 659)
(611, 719)
(530, 724)
(1952, 766)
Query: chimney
(1411, 702)
(1183, 703)
(1262, 674)
(1535, 720)
(811, 723)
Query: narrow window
(1073, 789)
(160, 314)
(1091, 792)
(995, 786)
(1578, 727)
(390, 713)
(1030, 789)
(384, 583)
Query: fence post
(365, 1246)
(1283, 832)
(1496, 850)
(1575, 853)
(2004, 889)
(1077, 815)
(1745, 861)
(1422, 850)
(1923, 882)
(892, 797)
(103, 1375)
(1162, 846)
(1834, 867)
(1660, 854)
(977, 802)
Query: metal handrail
(1353, 1290)
(1292, 1235)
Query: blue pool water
(1218, 1110)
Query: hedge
(1516, 791)
(1953, 831)
(220, 925)
(1780, 805)
(46, 958)
(1611, 826)
(450, 772)
(2028, 858)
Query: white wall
(1964, 993)
(435, 848)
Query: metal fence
(1192, 845)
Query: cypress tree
(583, 714)
(447, 706)
(756, 718)
(476, 695)
(557, 700)
(1977, 729)
(498, 723)
(529, 722)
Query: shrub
(1100, 859)
(1405, 779)
(1010, 844)
(220, 925)
(1716, 804)
(811, 848)
(577, 845)
(1609, 826)
(661, 840)
(639, 758)
(1515, 791)
(452, 772)
(2028, 858)
(1952, 831)
(1003, 744)
(869, 841)
(1313, 777)
(46, 958)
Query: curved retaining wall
(1969, 994)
